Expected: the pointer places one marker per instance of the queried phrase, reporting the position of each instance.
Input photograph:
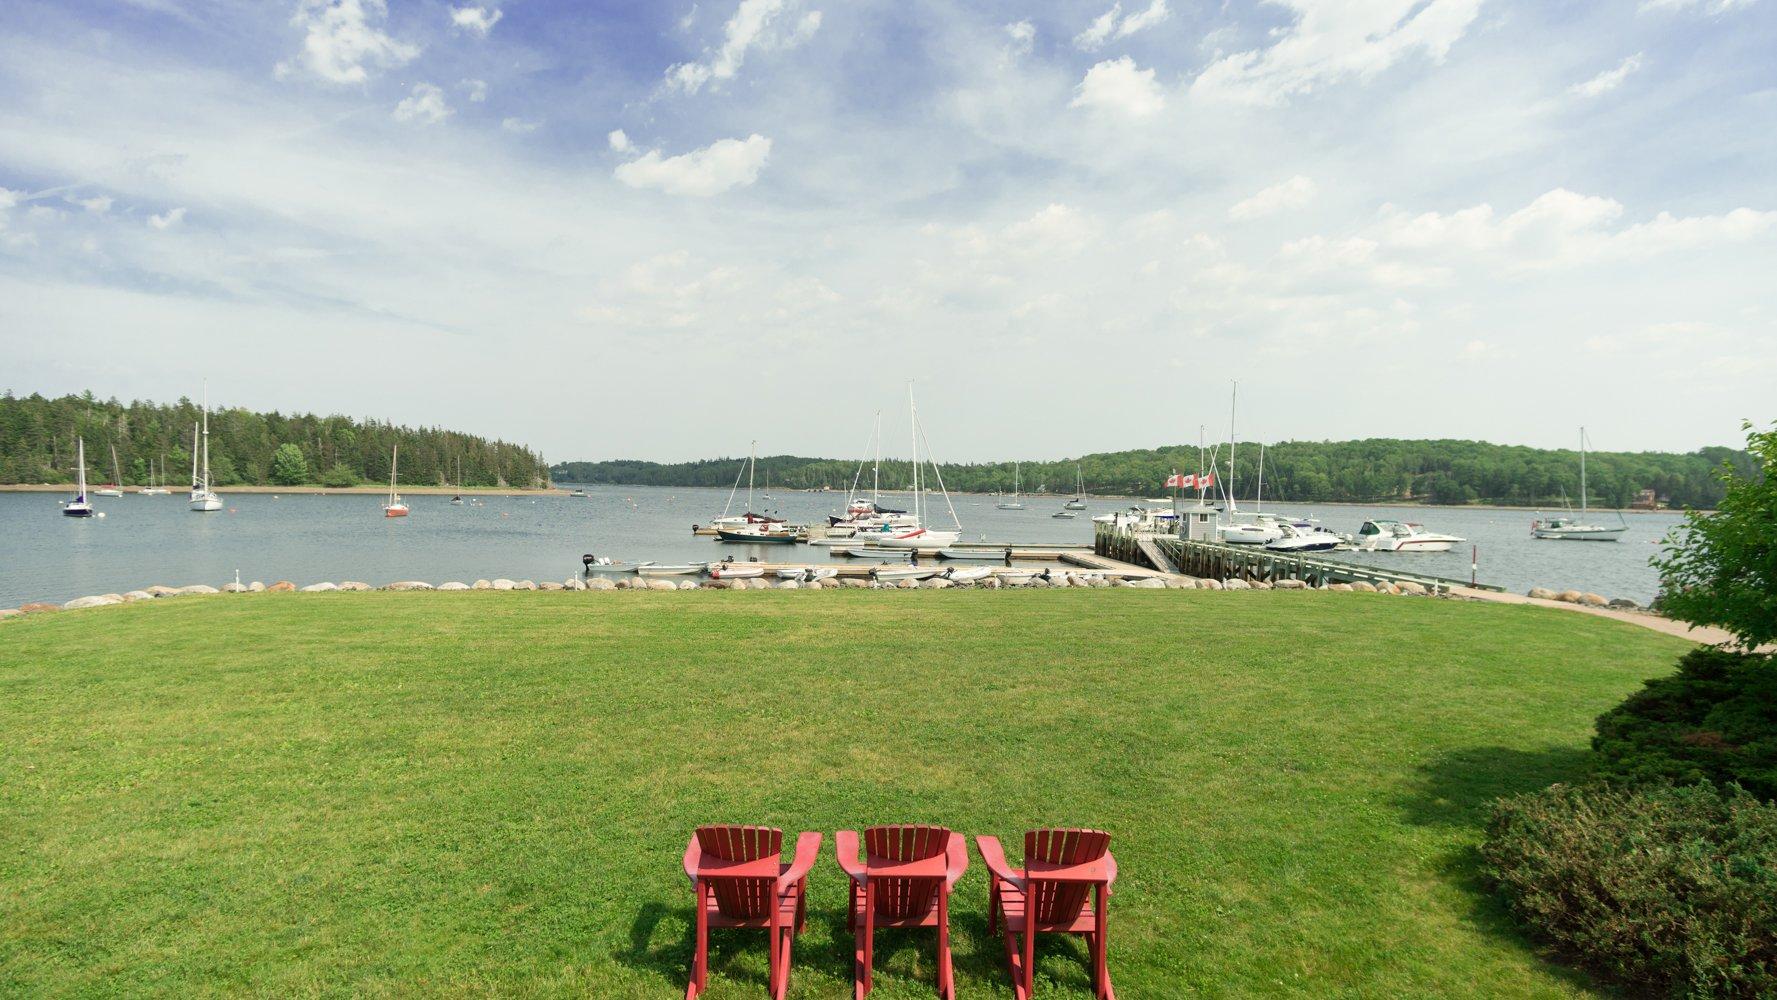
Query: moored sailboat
(80, 506)
(203, 499)
(1576, 529)
(114, 488)
(396, 507)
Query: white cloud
(476, 20)
(1331, 41)
(520, 126)
(718, 167)
(477, 90)
(1099, 31)
(425, 105)
(1056, 231)
(167, 220)
(98, 204)
(342, 39)
(1155, 13)
(1114, 24)
(1294, 193)
(1022, 37)
(1711, 6)
(761, 24)
(1610, 79)
(1119, 86)
(619, 141)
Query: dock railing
(1220, 561)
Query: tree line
(38, 435)
(1376, 470)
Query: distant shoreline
(484, 491)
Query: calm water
(309, 538)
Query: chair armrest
(808, 850)
(845, 845)
(693, 859)
(1110, 861)
(994, 856)
(956, 859)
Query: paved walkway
(1696, 633)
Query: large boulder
(453, 585)
(789, 585)
(1569, 596)
(38, 608)
(687, 584)
(1543, 594)
(481, 585)
(1148, 583)
(600, 583)
(354, 585)
(409, 585)
(1235, 583)
(854, 583)
(1209, 584)
(161, 590)
(1292, 585)
(1363, 586)
(1593, 601)
(256, 587)
(1346, 587)
(549, 585)
(138, 595)
(319, 588)
(1259, 584)
(525, 585)
(281, 587)
(197, 589)
(662, 585)
(1624, 604)
(1409, 587)
(935, 583)
(97, 601)
(573, 583)
(504, 584)
(6, 613)
(234, 588)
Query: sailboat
(396, 507)
(114, 487)
(457, 500)
(870, 515)
(80, 506)
(1014, 503)
(1575, 529)
(918, 536)
(749, 519)
(152, 490)
(1079, 500)
(1254, 532)
(202, 498)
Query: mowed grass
(479, 793)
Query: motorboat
(1065, 515)
(1573, 528)
(80, 506)
(1016, 578)
(604, 566)
(729, 570)
(768, 532)
(1401, 536)
(1296, 538)
(671, 569)
(806, 574)
(1256, 532)
(967, 574)
(577, 494)
(396, 507)
(872, 552)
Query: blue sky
(662, 229)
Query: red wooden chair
(1062, 869)
(741, 881)
(904, 881)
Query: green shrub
(339, 477)
(1715, 720)
(1662, 887)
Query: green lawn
(480, 792)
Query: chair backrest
(1060, 902)
(742, 898)
(903, 896)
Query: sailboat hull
(77, 510)
(205, 502)
(1581, 534)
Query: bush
(339, 477)
(1715, 720)
(1662, 887)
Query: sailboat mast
(194, 482)
(1261, 500)
(1233, 400)
(913, 433)
(206, 435)
(752, 459)
(1583, 471)
(80, 473)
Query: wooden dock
(1218, 561)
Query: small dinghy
(967, 574)
(604, 566)
(1017, 578)
(975, 555)
(728, 570)
(871, 552)
(808, 573)
(671, 569)
(898, 573)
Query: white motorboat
(1256, 532)
(898, 573)
(1064, 515)
(80, 506)
(1295, 538)
(1401, 536)
(967, 574)
(872, 552)
(671, 569)
(1573, 528)
(807, 574)
(922, 539)
(1014, 503)
(203, 499)
(604, 566)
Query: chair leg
(780, 960)
(700, 957)
(946, 978)
(861, 974)
(1030, 954)
(993, 906)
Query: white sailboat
(114, 488)
(1575, 529)
(748, 521)
(1014, 503)
(918, 536)
(1251, 532)
(80, 506)
(202, 497)
(1079, 500)
(396, 507)
(152, 489)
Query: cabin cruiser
(1402, 536)
(1258, 531)
(1296, 538)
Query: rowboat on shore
(726, 570)
(976, 555)
(967, 574)
(898, 573)
(671, 569)
(605, 566)
(872, 552)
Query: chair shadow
(1457, 790)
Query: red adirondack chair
(904, 881)
(1062, 869)
(741, 881)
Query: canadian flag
(1177, 481)
(1204, 482)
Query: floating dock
(1168, 553)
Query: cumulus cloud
(1021, 36)
(98, 204)
(425, 105)
(756, 24)
(1119, 86)
(520, 126)
(343, 40)
(1114, 23)
(475, 20)
(718, 167)
(477, 90)
(1610, 79)
(619, 141)
(1292, 194)
(1331, 41)
(167, 220)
